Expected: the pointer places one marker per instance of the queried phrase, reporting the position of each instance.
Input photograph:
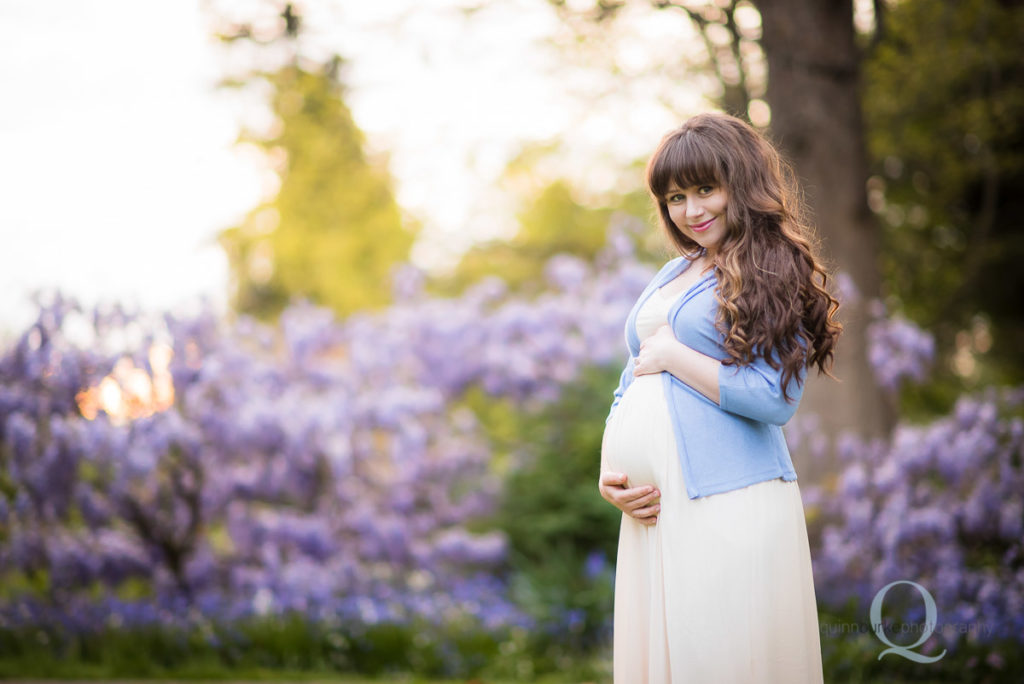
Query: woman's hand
(656, 352)
(663, 352)
(638, 502)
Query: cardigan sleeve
(624, 380)
(755, 391)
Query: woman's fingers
(635, 505)
(638, 497)
(642, 514)
(645, 507)
(611, 478)
(609, 484)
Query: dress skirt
(720, 589)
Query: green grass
(289, 650)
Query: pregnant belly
(638, 438)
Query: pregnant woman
(713, 579)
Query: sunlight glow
(130, 393)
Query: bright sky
(117, 164)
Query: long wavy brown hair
(771, 287)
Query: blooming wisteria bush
(324, 466)
(940, 504)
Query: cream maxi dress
(719, 590)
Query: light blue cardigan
(739, 441)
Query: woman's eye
(706, 189)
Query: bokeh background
(311, 313)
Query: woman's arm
(753, 391)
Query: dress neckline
(700, 279)
(668, 299)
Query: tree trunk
(814, 95)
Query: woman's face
(699, 212)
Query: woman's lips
(701, 227)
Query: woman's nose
(693, 209)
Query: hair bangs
(684, 159)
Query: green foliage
(554, 217)
(553, 221)
(257, 648)
(945, 121)
(280, 647)
(552, 500)
(333, 231)
(555, 519)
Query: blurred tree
(814, 90)
(945, 113)
(333, 231)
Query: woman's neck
(704, 261)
